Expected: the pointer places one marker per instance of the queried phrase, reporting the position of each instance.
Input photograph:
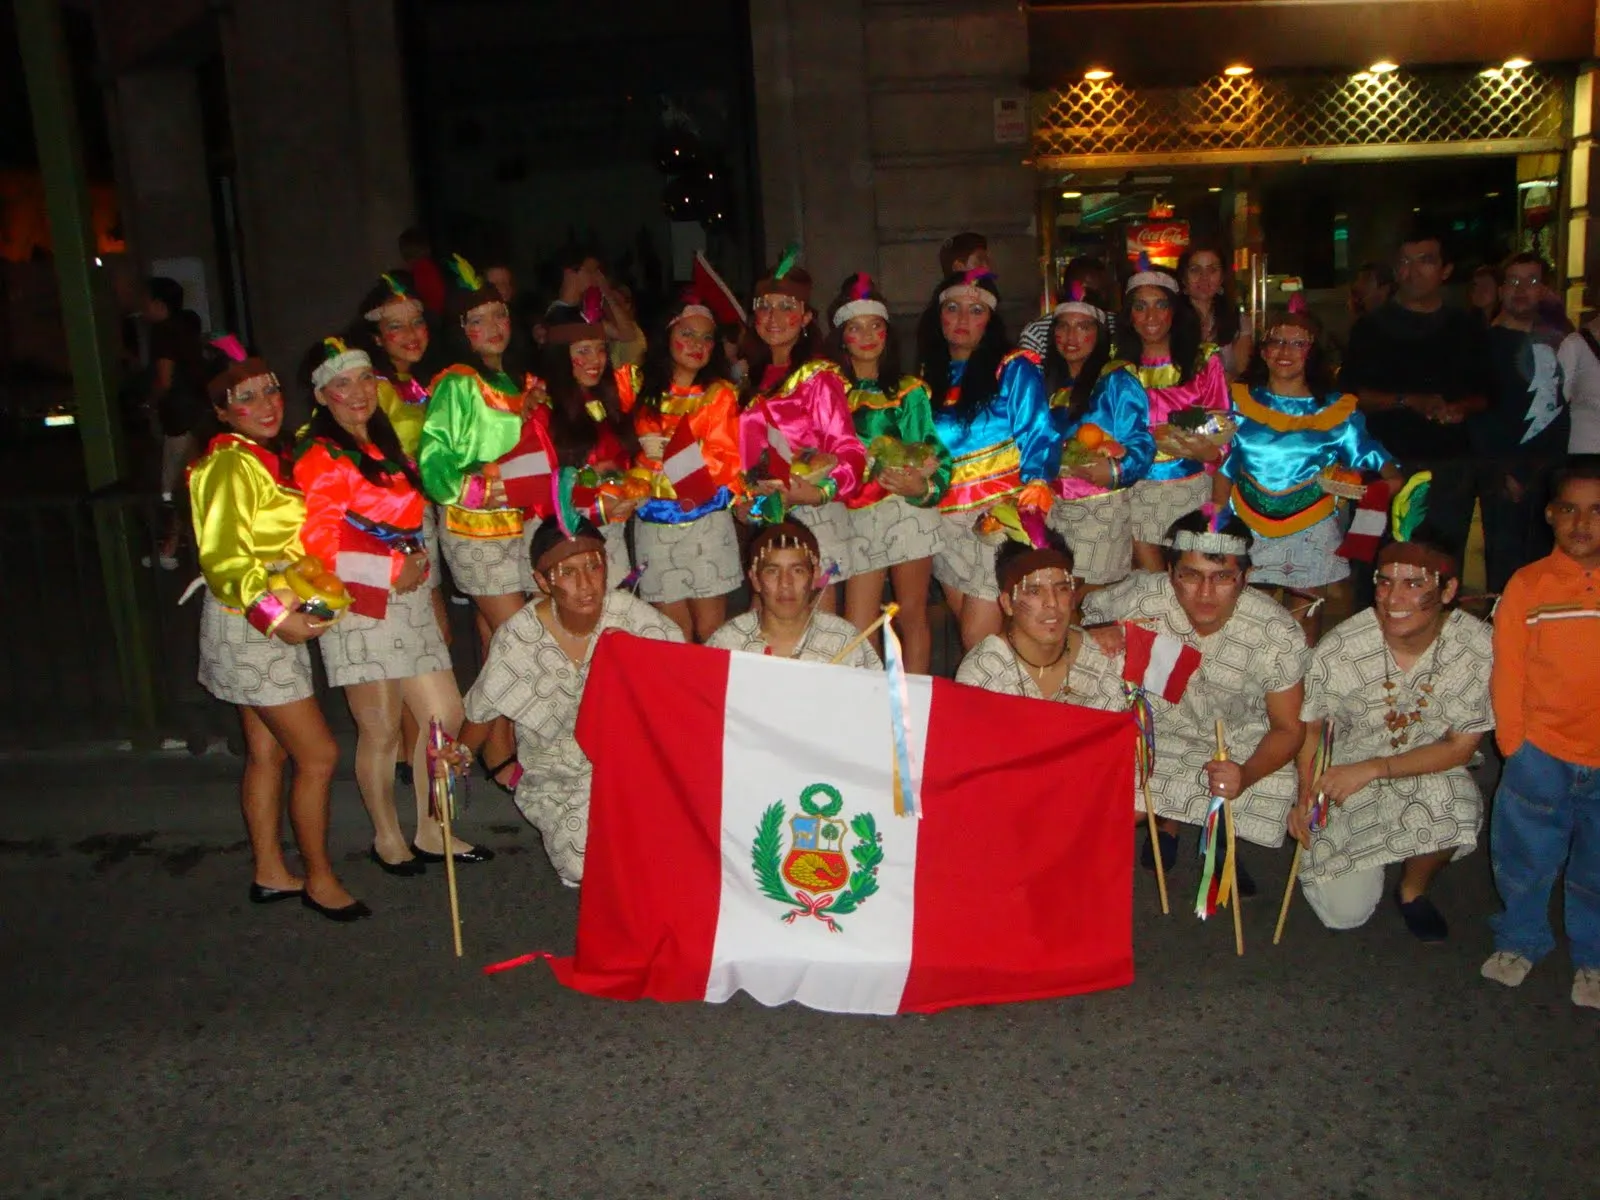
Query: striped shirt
(1545, 685)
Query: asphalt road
(165, 1038)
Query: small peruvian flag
(684, 467)
(716, 294)
(364, 567)
(1366, 529)
(778, 455)
(1158, 662)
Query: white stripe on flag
(788, 725)
(684, 463)
(359, 567)
(526, 466)
(1164, 652)
(778, 442)
(1369, 522)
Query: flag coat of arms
(744, 838)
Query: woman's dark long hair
(1319, 375)
(379, 432)
(982, 377)
(758, 355)
(1224, 307)
(1183, 342)
(454, 349)
(657, 369)
(362, 334)
(1057, 374)
(834, 349)
(574, 432)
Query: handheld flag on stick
(717, 294)
(1144, 761)
(1367, 525)
(1158, 663)
(442, 802)
(905, 783)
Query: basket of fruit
(1174, 437)
(313, 589)
(886, 453)
(1342, 482)
(812, 466)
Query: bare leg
(1147, 557)
(407, 738)
(430, 696)
(677, 611)
(493, 612)
(863, 595)
(979, 619)
(1419, 873)
(441, 614)
(708, 615)
(261, 801)
(302, 731)
(376, 707)
(910, 580)
(953, 600)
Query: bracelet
(474, 492)
(1116, 473)
(267, 613)
(829, 488)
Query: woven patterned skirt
(1099, 532)
(696, 560)
(241, 665)
(489, 566)
(964, 561)
(892, 532)
(1157, 505)
(405, 643)
(831, 523)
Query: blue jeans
(1546, 813)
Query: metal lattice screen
(1225, 117)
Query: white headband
(1210, 543)
(861, 308)
(338, 365)
(693, 310)
(969, 291)
(1158, 279)
(1080, 307)
(376, 314)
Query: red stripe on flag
(641, 936)
(1003, 913)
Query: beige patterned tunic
(1259, 651)
(1095, 681)
(1391, 820)
(530, 679)
(826, 636)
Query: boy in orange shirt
(1546, 695)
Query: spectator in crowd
(965, 252)
(580, 271)
(1420, 368)
(1371, 289)
(1579, 360)
(1085, 275)
(1483, 294)
(1524, 430)
(177, 396)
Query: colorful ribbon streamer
(1205, 902)
(1144, 718)
(905, 784)
(1320, 762)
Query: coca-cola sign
(1160, 240)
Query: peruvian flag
(364, 566)
(716, 294)
(527, 470)
(744, 838)
(1158, 662)
(1368, 524)
(684, 467)
(776, 452)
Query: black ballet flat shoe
(354, 911)
(261, 894)
(478, 854)
(405, 870)
(1425, 922)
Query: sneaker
(1586, 987)
(1426, 923)
(1509, 968)
(1169, 852)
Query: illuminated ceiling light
(1237, 70)
(1097, 74)
(1516, 64)
(1072, 195)
(1490, 195)
(1383, 66)
(1213, 189)
(1489, 73)
(1363, 77)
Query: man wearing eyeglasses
(1253, 658)
(1420, 368)
(1525, 428)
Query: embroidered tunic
(247, 512)
(529, 679)
(1259, 651)
(1390, 820)
(1009, 444)
(1119, 405)
(906, 416)
(1283, 444)
(1208, 389)
(824, 638)
(808, 407)
(1094, 680)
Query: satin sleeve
(715, 425)
(1128, 413)
(227, 493)
(826, 400)
(1027, 412)
(447, 454)
(915, 423)
(1211, 390)
(1358, 449)
(325, 481)
(406, 418)
(628, 379)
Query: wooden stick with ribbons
(442, 794)
(889, 611)
(1318, 821)
(1230, 872)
